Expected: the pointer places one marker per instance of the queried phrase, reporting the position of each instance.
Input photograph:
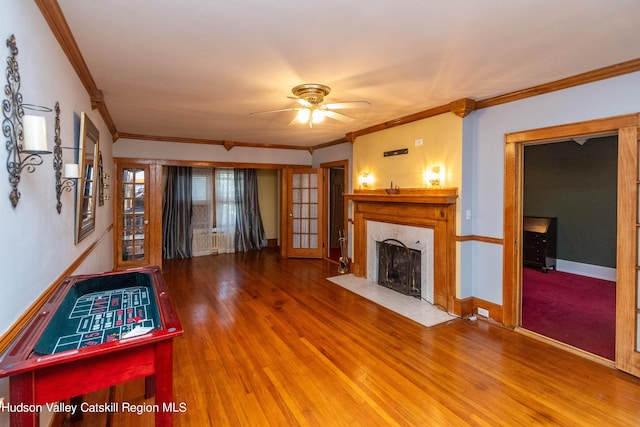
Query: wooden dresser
(539, 242)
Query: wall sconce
(434, 176)
(71, 170)
(102, 177)
(365, 180)
(26, 135)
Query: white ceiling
(197, 68)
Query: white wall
(132, 148)
(37, 243)
(334, 153)
(612, 97)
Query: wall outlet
(468, 214)
(418, 142)
(483, 312)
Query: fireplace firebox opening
(399, 267)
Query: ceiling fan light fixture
(313, 93)
(317, 116)
(310, 116)
(303, 115)
(311, 109)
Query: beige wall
(269, 197)
(441, 146)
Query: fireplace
(418, 240)
(423, 219)
(399, 267)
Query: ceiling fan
(311, 110)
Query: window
(202, 212)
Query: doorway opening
(569, 206)
(336, 179)
(627, 322)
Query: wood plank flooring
(270, 342)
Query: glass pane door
(305, 200)
(305, 211)
(133, 220)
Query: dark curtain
(250, 233)
(176, 214)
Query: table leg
(22, 390)
(112, 397)
(77, 401)
(149, 386)
(164, 383)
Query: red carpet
(576, 310)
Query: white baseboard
(589, 270)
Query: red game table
(82, 340)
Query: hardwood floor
(270, 342)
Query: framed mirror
(86, 197)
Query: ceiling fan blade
(337, 116)
(346, 105)
(294, 121)
(273, 111)
(301, 101)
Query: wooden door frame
(626, 128)
(326, 167)
(153, 201)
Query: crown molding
(580, 79)
(228, 145)
(53, 15)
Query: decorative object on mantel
(25, 134)
(71, 170)
(392, 189)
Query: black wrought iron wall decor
(102, 177)
(100, 180)
(67, 181)
(23, 153)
